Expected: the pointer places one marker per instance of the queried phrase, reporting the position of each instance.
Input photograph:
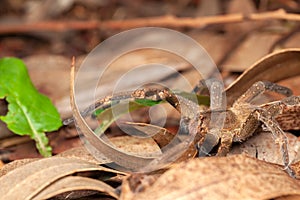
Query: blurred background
(70, 40)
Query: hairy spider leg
(242, 106)
(211, 132)
(259, 88)
(267, 114)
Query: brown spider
(242, 119)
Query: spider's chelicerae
(242, 119)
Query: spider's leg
(260, 87)
(206, 144)
(212, 133)
(267, 117)
(225, 143)
(103, 103)
(186, 107)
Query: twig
(164, 21)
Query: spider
(242, 119)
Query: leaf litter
(143, 183)
(241, 176)
(45, 173)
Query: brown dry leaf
(292, 83)
(73, 184)
(18, 183)
(167, 141)
(246, 54)
(293, 41)
(15, 164)
(136, 183)
(291, 197)
(159, 134)
(3, 129)
(83, 153)
(263, 147)
(175, 148)
(137, 146)
(232, 177)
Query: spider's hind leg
(267, 117)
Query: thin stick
(163, 21)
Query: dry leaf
(137, 146)
(161, 135)
(15, 164)
(264, 147)
(136, 183)
(18, 183)
(290, 197)
(232, 177)
(273, 67)
(293, 41)
(73, 184)
(246, 54)
(83, 154)
(293, 84)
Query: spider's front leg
(259, 88)
(267, 115)
(211, 132)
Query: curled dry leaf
(132, 162)
(166, 140)
(273, 67)
(127, 160)
(161, 135)
(83, 154)
(75, 183)
(136, 146)
(15, 164)
(18, 183)
(232, 177)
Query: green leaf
(29, 112)
(111, 114)
(106, 116)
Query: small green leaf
(106, 116)
(111, 114)
(29, 112)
